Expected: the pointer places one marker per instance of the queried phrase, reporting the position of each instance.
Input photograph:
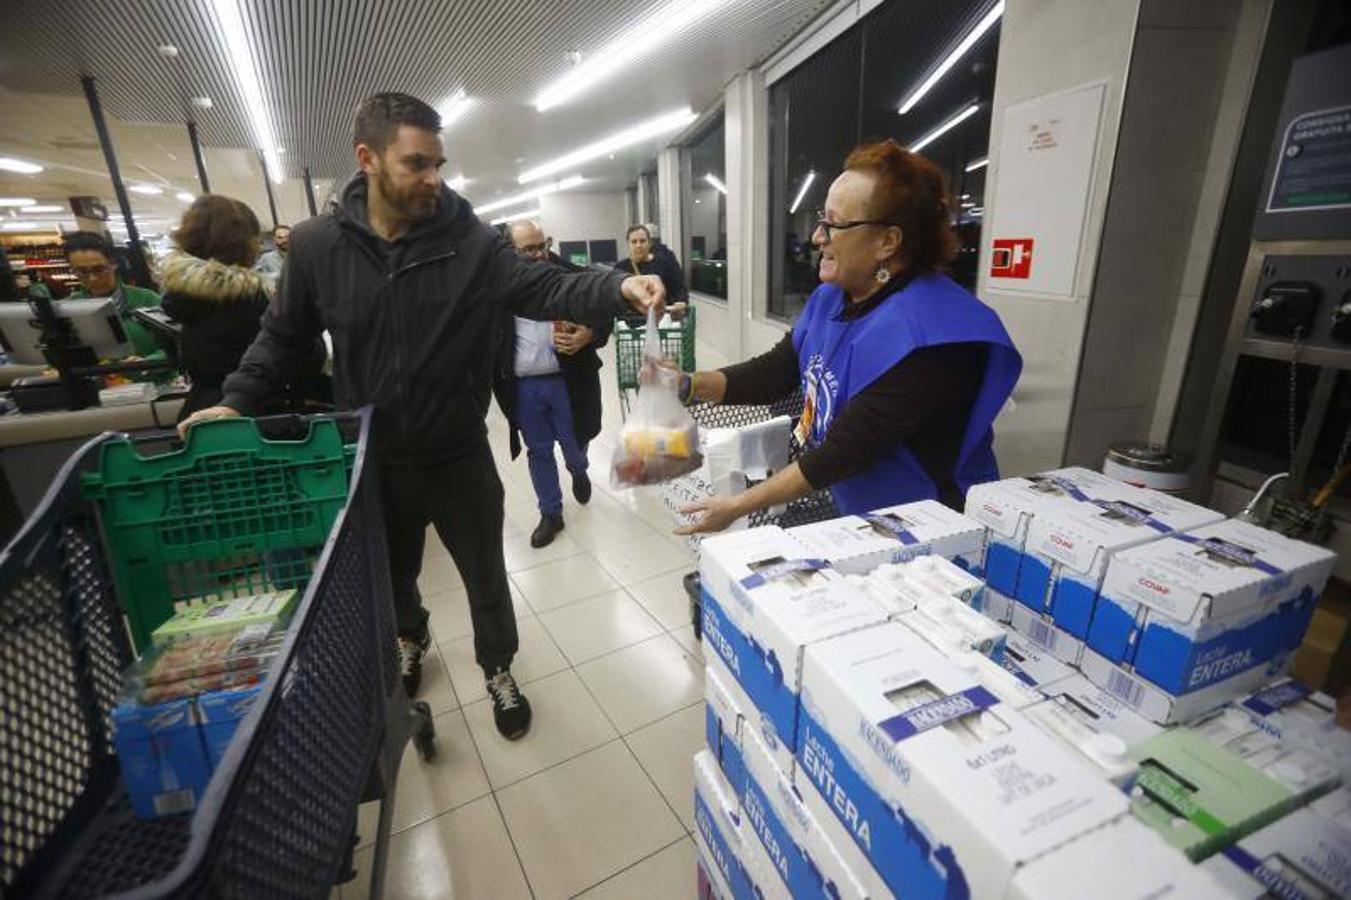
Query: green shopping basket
(677, 343)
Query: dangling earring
(883, 275)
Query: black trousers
(462, 498)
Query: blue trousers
(543, 413)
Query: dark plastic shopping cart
(677, 344)
(127, 527)
(815, 507)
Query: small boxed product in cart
(210, 616)
(219, 714)
(164, 764)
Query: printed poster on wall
(1046, 150)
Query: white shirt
(535, 348)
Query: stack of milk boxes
(871, 734)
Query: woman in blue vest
(902, 370)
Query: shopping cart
(287, 501)
(815, 507)
(677, 344)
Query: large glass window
(849, 92)
(704, 213)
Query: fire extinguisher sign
(1011, 258)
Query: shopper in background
(902, 371)
(95, 265)
(548, 387)
(271, 262)
(643, 261)
(413, 288)
(212, 288)
(29, 288)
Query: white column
(668, 199)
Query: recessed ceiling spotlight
(168, 51)
(202, 102)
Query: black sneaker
(581, 488)
(511, 711)
(544, 532)
(411, 649)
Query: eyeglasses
(85, 271)
(831, 227)
(534, 249)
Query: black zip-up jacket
(413, 322)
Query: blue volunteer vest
(840, 359)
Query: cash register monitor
(94, 321)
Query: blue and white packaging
(946, 577)
(1305, 775)
(1303, 718)
(794, 845)
(863, 872)
(764, 603)
(1007, 507)
(1163, 708)
(1040, 629)
(1069, 545)
(1194, 609)
(946, 790)
(1094, 724)
(1303, 856)
(1032, 665)
(855, 545)
(219, 714)
(907, 592)
(1124, 860)
(724, 722)
(721, 834)
(1006, 686)
(163, 762)
(997, 606)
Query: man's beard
(410, 204)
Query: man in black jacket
(411, 287)
(548, 386)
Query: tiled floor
(597, 800)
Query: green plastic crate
(229, 514)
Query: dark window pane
(705, 214)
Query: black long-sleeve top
(923, 402)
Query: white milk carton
(1031, 665)
(1094, 724)
(856, 545)
(722, 836)
(1336, 806)
(793, 843)
(1303, 774)
(945, 789)
(1041, 630)
(1004, 684)
(1007, 507)
(1069, 545)
(1303, 718)
(1303, 855)
(1194, 609)
(764, 602)
(948, 578)
(724, 723)
(1121, 861)
(907, 591)
(1163, 708)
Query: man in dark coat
(548, 386)
(412, 286)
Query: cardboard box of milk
(721, 834)
(1194, 609)
(1040, 629)
(1069, 545)
(724, 723)
(1120, 861)
(794, 845)
(1095, 725)
(1305, 775)
(764, 602)
(855, 545)
(1303, 855)
(945, 789)
(1032, 666)
(1303, 718)
(1007, 507)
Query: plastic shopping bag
(660, 440)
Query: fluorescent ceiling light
(944, 128)
(245, 68)
(532, 195)
(453, 108)
(9, 164)
(631, 46)
(978, 164)
(716, 182)
(916, 94)
(28, 226)
(146, 189)
(634, 134)
(45, 208)
(525, 214)
(17, 201)
(185, 196)
(802, 192)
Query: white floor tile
(588, 628)
(645, 682)
(665, 598)
(465, 854)
(579, 823)
(666, 875)
(428, 788)
(449, 609)
(537, 657)
(566, 722)
(633, 561)
(666, 751)
(436, 687)
(520, 555)
(685, 635)
(551, 585)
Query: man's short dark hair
(379, 116)
(276, 228)
(88, 240)
(642, 228)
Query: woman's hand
(718, 513)
(572, 340)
